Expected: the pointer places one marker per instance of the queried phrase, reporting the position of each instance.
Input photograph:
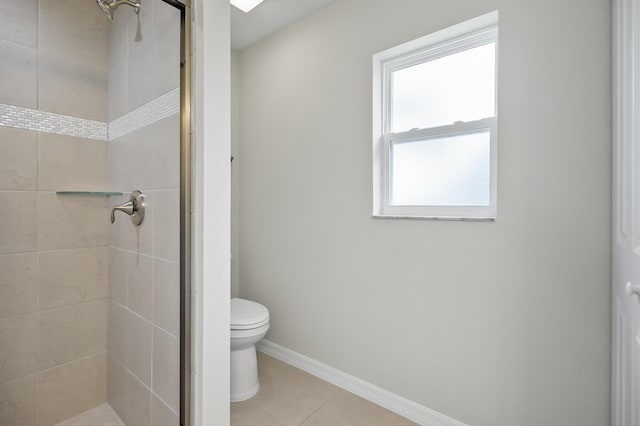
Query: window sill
(438, 218)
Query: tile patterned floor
(102, 415)
(290, 397)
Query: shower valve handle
(125, 208)
(134, 208)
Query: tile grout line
(152, 344)
(321, 405)
(151, 392)
(71, 305)
(153, 257)
(153, 325)
(65, 364)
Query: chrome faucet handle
(134, 208)
(124, 208)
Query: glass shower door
(90, 111)
(144, 261)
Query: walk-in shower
(94, 315)
(109, 6)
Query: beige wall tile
(67, 221)
(19, 22)
(118, 102)
(166, 54)
(166, 224)
(166, 368)
(117, 168)
(116, 387)
(72, 59)
(18, 283)
(18, 402)
(161, 414)
(118, 99)
(140, 284)
(140, 28)
(140, 60)
(166, 153)
(69, 88)
(75, 30)
(131, 281)
(166, 295)
(118, 44)
(72, 276)
(17, 347)
(18, 68)
(18, 224)
(131, 160)
(72, 332)
(118, 275)
(117, 332)
(71, 389)
(138, 402)
(18, 163)
(68, 162)
(139, 336)
(163, 15)
(140, 90)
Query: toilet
(249, 324)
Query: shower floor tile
(102, 415)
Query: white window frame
(476, 32)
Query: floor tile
(290, 397)
(287, 396)
(102, 415)
(347, 409)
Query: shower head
(109, 6)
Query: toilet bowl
(249, 324)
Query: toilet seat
(247, 315)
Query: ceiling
(267, 18)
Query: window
(435, 120)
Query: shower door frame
(184, 6)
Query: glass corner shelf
(91, 193)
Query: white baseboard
(402, 406)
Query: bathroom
(371, 319)
(503, 322)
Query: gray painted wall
(495, 324)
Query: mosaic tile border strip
(49, 122)
(159, 108)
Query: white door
(626, 214)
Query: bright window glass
(457, 87)
(443, 171)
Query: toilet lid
(247, 314)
